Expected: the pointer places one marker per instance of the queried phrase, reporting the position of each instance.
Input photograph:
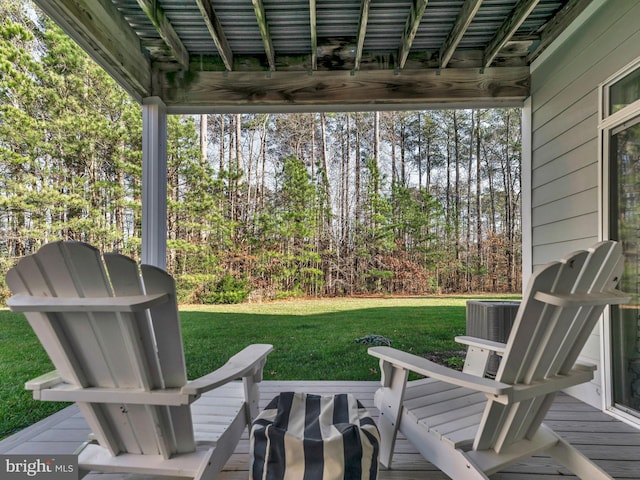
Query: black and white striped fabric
(310, 437)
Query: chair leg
(454, 462)
(388, 423)
(388, 433)
(388, 399)
(568, 456)
(209, 468)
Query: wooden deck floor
(614, 445)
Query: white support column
(526, 194)
(154, 182)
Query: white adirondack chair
(470, 426)
(112, 332)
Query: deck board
(614, 445)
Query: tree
(69, 155)
(312, 203)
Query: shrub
(377, 278)
(189, 287)
(226, 290)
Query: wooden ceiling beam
(314, 34)
(258, 7)
(518, 15)
(410, 29)
(464, 19)
(362, 31)
(156, 15)
(281, 91)
(558, 24)
(99, 28)
(217, 32)
(462, 58)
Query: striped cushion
(310, 437)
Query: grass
(312, 339)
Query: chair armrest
(35, 303)
(246, 363)
(614, 297)
(579, 374)
(43, 382)
(479, 352)
(427, 368)
(497, 347)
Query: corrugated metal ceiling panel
(337, 23)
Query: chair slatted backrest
(547, 339)
(137, 351)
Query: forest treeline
(260, 206)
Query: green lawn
(312, 339)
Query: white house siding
(565, 198)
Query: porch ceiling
(296, 55)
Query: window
(624, 92)
(620, 135)
(621, 91)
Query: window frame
(608, 123)
(605, 116)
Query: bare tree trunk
(343, 174)
(221, 143)
(492, 195)
(263, 156)
(221, 119)
(448, 214)
(491, 253)
(325, 167)
(358, 168)
(119, 211)
(250, 171)
(419, 151)
(347, 181)
(467, 262)
(508, 192)
(173, 220)
(433, 135)
(238, 168)
(238, 144)
(376, 147)
(456, 208)
(358, 195)
(403, 151)
(342, 247)
(231, 163)
(203, 138)
(479, 247)
(394, 159)
(327, 202)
